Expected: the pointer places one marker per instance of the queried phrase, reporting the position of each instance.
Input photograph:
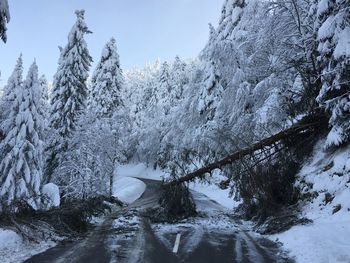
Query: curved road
(126, 236)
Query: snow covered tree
(8, 96)
(230, 16)
(4, 19)
(106, 103)
(179, 79)
(211, 92)
(333, 32)
(44, 108)
(161, 86)
(21, 166)
(69, 92)
(164, 79)
(81, 164)
(107, 82)
(220, 57)
(44, 88)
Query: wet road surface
(126, 236)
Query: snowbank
(327, 239)
(140, 171)
(128, 189)
(14, 249)
(321, 242)
(8, 240)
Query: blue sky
(144, 29)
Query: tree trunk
(111, 179)
(298, 128)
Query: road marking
(177, 243)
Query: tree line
(69, 135)
(266, 66)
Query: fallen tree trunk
(295, 129)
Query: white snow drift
(326, 240)
(128, 189)
(14, 249)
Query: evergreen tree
(107, 82)
(164, 80)
(44, 99)
(211, 92)
(21, 166)
(44, 106)
(4, 19)
(69, 92)
(106, 103)
(230, 17)
(8, 96)
(178, 78)
(162, 89)
(44, 88)
(333, 28)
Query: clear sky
(144, 29)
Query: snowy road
(126, 236)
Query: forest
(269, 92)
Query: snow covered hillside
(325, 182)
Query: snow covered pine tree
(14, 82)
(107, 82)
(21, 166)
(69, 93)
(333, 30)
(107, 104)
(4, 19)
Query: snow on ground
(139, 171)
(14, 249)
(214, 192)
(211, 190)
(126, 220)
(327, 239)
(321, 242)
(128, 189)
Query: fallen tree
(70, 220)
(260, 145)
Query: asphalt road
(126, 236)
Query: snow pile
(327, 178)
(14, 249)
(8, 240)
(51, 194)
(322, 242)
(140, 171)
(128, 189)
